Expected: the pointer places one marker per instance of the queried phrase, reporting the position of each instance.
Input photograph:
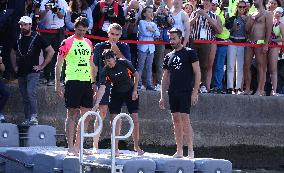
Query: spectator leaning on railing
(52, 14)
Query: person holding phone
(236, 25)
(4, 91)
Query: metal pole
(113, 137)
(83, 134)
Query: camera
(109, 10)
(132, 16)
(200, 6)
(75, 15)
(54, 6)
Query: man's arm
(218, 28)
(136, 79)
(186, 24)
(197, 77)
(58, 68)
(165, 85)
(2, 66)
(268, 28)
(14, 60)
(49, 54)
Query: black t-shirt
(179, 64)
(100, 47)
(27, 53)
(120, 76)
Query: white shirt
(51, 20)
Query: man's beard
(25, 32)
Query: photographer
(133, 12)
(163, 19)
(105, 13)
(52, 13)
(78, 8)
(32, 10)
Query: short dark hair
(107, 54)
(81, 21)
(175, 30)
(144, 11)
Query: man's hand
(134, 95)
(94, 86)
(47, 8)
(194, 98)
(162, 104)
(37, 68)
(201, 12)
(114, 48)
(149, 28)
(59, 90)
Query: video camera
(75, 15)
(131, 16)
(109, 10)
(53, 5)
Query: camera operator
(52, 13)
(32, 10)
(76, 9)
(105, 13)
(133, 12)
(164, 20)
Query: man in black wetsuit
(124, 79)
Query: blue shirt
(146, 35)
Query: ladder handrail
(83, 134)
(114, 137)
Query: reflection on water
(257, 171)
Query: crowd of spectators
(223, 68)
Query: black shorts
(117, 99)
(78, 94)
(180, 102)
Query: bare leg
(178, 132)
(87, 122)
(210, 64)
(136, 134)
(247, 64)
(272, 60)
(261, 64)
(188, 133)
(103, 112)
(70, 128)
(117, 132)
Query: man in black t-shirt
(25, 60)
(179, 67)
(124, 79)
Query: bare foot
(190, 154)
(71, 152)
(178, 155)
(117, 153)
(139, 151)
(95, 151)
(247, 92)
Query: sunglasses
(241, 6)
(114, 34)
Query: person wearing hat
(277, 38)
(25, 61)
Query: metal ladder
(83, 134)
(113, 166)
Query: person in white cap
(26, 50)
(277, 37)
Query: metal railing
(83, 134)
(114, 138)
